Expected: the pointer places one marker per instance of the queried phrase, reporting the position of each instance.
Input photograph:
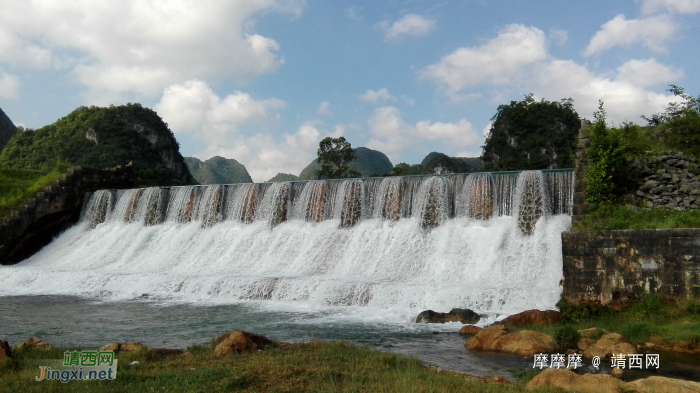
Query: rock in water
(239, 341)
(463, 315)
(526, 342)
(470, 329)
(533, 317)
(5, 350)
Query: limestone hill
(218, 170)
(368, 162)
(103, 138)
(7, 129)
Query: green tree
(335, 156)
(529, 134)
(680, 123)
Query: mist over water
(371, 249)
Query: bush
(566, 337)
(574, 313)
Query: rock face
(463, 315)
(525, 343)
(470, 330)
(5, 350)
(669, 179)
(533, 317)
(239, 341)
(567, 379)
(34, 344)
(607, 345)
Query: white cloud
(651, 32)
(379, 96)
(647, 73)
(677, 6)
(499, 61)
(558, 36)
(410, 24)
(142, 46)
(324, 109)
(460, 134)
(9, 85)
(390, 134)
(352, 13)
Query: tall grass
(17, 186)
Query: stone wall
(669, 179)
(618, 266)
(610, 267)
(56, 208)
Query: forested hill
(103, 138)
(368, 162)
(7, 129)
(218, 170)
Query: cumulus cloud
(676, 6)
(9, 85)
(647, 73)
(498, 61)
(378, 96)
(652, 32)
(390, 134)
(324, 109)
(142, 46)
(558, 36)
(409, 24)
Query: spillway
(486, 241)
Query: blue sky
(263, 81)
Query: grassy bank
(312, 367)
(664, 322)
(613, 217)
(18, 186)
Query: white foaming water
(205, 250)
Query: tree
(335, 156)
(680, 123)
(529, 134)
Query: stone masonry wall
(56, 208)
(618, 266)
(669, 179)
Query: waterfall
(486, 241)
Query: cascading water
(394, 246)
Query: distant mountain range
(218, 170)
(283, 177)
(368, 162)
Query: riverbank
(307, 367)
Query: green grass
(613, 217)
(17, 186)
(652, 319)
(311, 367)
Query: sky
(263, 81)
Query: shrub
(566, 337)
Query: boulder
(569, 380)
(34, 344)
(661, 385)
(132, 347)
(607, 345)
(114, 347)
(617, 372)
(589, 336)
(525, 343)
(533, 317)
(5, 350)
(470, 329)
(486, 338)
(463, 315)
(238, 342)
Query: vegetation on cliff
(19, 185)
(7, 129)
(367, 162)
(218, 170)
(103, 138)
(529, 134)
